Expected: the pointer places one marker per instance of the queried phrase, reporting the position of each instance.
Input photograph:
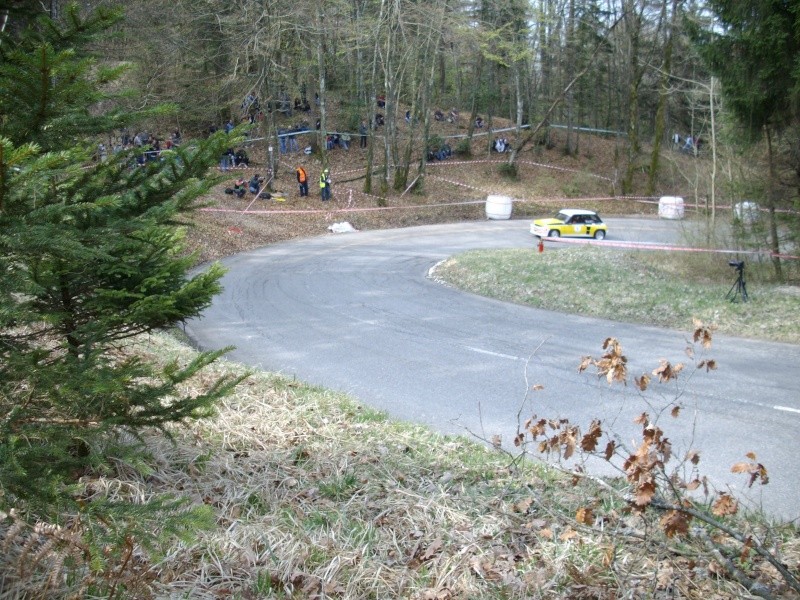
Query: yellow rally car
(571, 222)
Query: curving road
(357, 313)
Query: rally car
(571, 222)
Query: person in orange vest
(302, 181)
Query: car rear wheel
(554, 233)
(599, 234)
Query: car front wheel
(599, 234)
(554, 233)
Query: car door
(576, 225)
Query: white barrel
(498, 207)
(670, 207)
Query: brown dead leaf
(642, 382)
(610, 447)
(702, 333)
(642, 419)
(674, 523)
(433, 549)
(497, 442)
(666, 574)
(676, 410)
(644, 493)
(716, 569)
(538, 387)
(725, 505)
(585, 362)
(589, 440)
(522, 506)
(693, 456)
(585, 515)
(569, 534)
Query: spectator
(479, 122)
(255, 184)
(362, 131)
(238, 188)
(229, 126)
(302, 181)
(325, 185)
(241, 160)
(438, 115)
(282, 140)
(344, 141)
(292, 141)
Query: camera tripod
(739, 287)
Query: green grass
(638, 287)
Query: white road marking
(787, 409)
(490, 353)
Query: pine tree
(91, 255)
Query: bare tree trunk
(633, 21)
(372, 112)
(775, 245)
(571, 146)
(661, 110)
(323, 113)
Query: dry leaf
(693, 456)
(522, 506)
(610, 447)
(674, 523)
(585, 515)
(433, 549)
(568, 534)
(642, 382)
(725, 505)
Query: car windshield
(562, 217)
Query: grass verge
(649, 288)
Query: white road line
(490, 353)
(787, 409)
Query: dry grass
(316, 496)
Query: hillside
(547, 180)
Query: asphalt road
(357, 313)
